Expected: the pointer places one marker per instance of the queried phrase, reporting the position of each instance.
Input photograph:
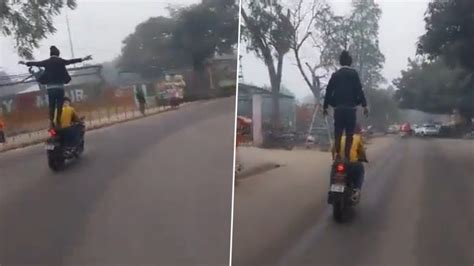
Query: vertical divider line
(235, 135)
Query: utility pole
(70, 38)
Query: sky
(400, 27)
(97, 28)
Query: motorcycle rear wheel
(339, 209)
(55, 164)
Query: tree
(205, 29)
(268, 33)
(190, 37)
(150, 49)
(434, 87)
(386, 108)
(314, 23)
(362, 41)
(29, 22)
(443, 79)
(449, 31)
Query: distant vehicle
(405, 130)
(418, 130)
(430, 130)
(279, 140)
(393, 129)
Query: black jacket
(55, 70)
(344, 89)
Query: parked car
(393, 129)
(430, 130)
(418, 130)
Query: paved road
(154, 191)
(417, 209)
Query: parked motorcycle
(57, 150)
(341, 190)
(279, 140)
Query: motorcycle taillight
(52, 132)
(340, 168)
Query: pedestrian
(344, 93)
(54, 77)
(2, 131)
(141, 100)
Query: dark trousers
(56, 100)
(70, 136)
(344, 121)
(358, 171)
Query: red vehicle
(405, 129)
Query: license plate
(337, 188)
(49, 147)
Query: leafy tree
(449, 32)
(268, 32)
(205, 29)
(29, 22)
(434, 87)
(150, 49)
(362, 41)
(443, 80)
(385, 108)
(190, 37)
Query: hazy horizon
(97, 28)
(400, 27)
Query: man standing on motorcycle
(357, 156)
(344, 93)
(54, 77)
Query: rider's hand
(366, 111)
(89, 57)
(325, 112)
(22, 62)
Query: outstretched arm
(72, 61)
(35, 63)
(77, 60)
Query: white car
(430, 130)
(418, 130)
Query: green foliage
(189, 37)
(150, 49)
(29, 22)
(434, 87)
(385, 109)
(449, 32)
(361, 40)
(445, 81)
(205, 29)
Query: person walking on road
(54, 77)
(344, 93)
(141, 100)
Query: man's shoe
(355, 195)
